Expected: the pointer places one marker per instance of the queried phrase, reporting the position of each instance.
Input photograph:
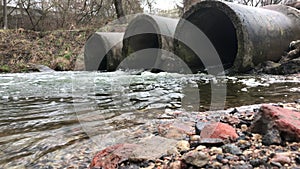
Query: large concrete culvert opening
(140, 40)
(220, 30)
(141, 35)
(242, 36)
(95, 56)
(102, 51)
(145, 38)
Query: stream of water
(61, 119)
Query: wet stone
(176, 165)
(256, 162)
(232, 149)
(199, 126)
(232, 158)
(244, 144)
(276, 164)
(243, 166)
(216, 165)
(176, 130)
(183, 146)
(211, 141)
(244, 127)
(152, 148)
(196, 158)
(297, 160)
(286, 121)
(194, 138)
(201, 148)
(220, 158)
(281, 158)
(216, 150)
(243, 158)
(112, 156)
(220, 131)
(272, 137)
(232, 120)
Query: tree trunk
(5, 14)
(120, 11)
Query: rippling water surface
(53, 120)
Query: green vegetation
(4, 68)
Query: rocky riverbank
(288, 64)
(259, 136)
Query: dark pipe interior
(142, 39)
(220, 30)
(142, 35)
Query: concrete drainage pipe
(145, 37)
(103, 51)
(243, 36)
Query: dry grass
(56, 49)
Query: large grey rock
(152, 148)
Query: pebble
(217, 165)
(195, 138)
(244, 128)
(220, 158)
(196, 158)
(183, 146)
(281, 158)
(216, 150)
(297, 160)
(242, 166)
(199, 126)
(232, 149)
(243, 144)
(256, 162)
(173, 151)
(175, 165)
(272, 138)
(232, 158)
(200, 148)
(276, 164)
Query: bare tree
(188, 3)
(119, 10)
(150, 4)
(4, 14)
(256, 3)
(46, 15)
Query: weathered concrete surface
(243, 36)
(145, 37)
(102, 51)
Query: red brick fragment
(110, 157)
(219, 130)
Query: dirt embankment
(21, 49)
